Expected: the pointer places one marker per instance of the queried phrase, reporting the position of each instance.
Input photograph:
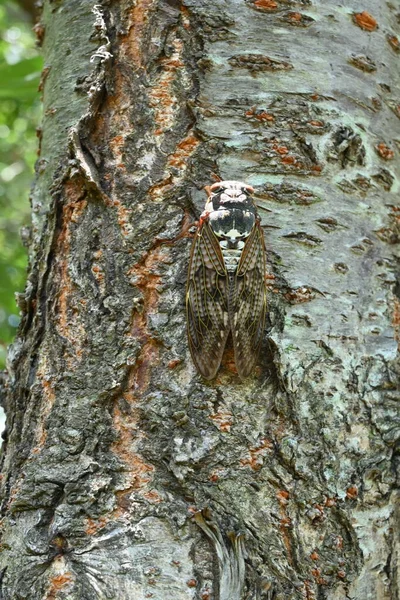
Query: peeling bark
(125, 475)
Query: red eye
(216, 187)
(249, 188)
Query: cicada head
(225, 192)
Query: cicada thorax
(232, 226)
(232, 216)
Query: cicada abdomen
(226, 291)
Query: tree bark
(125, 475)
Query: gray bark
(125, 475)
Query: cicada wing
(248, 302)
(207, 302)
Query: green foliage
(20, 66)
(20, 80)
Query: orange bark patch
(285, 522)
(314, 556)
(179, 159)
(157, 191)
(216, 475)
(44, 375)
(223, 420)
(174, 363)
(123, 214)
(285, 156)
(139, 473)
(282, 150)
(138, 19)
(58, 582)
(329, 502)
(93, 526)
(76, 203)
(98, 273)
(117, 144)
(129, 434)
(183, 151)
(308, 592)
(257, 454)
(384, 151)
(264, 116)
(352, 492)
(259, 115)
(68, 323)
(316, 572)
(282, 497)
(148, 279)
(288, 160)
(365, 21)
(148, 358)
(266, 4)
(161, 96)
(153, 497)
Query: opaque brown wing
(248, 302)
(207, 302)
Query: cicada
(226, 288)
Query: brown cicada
(226, 291)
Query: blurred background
(20, 113)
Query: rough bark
(125, 475)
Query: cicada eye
(249, 189)
(216, 188)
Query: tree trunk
(125, 475)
